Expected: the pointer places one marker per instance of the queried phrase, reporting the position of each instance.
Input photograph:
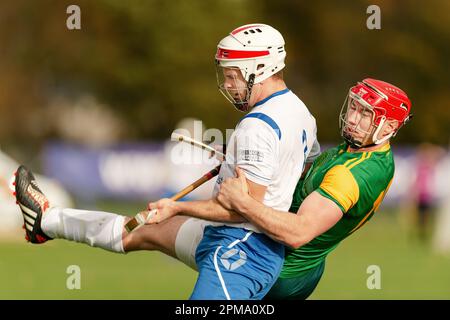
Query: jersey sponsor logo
(251, 155)
(228, 262)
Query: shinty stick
(142, 216)
(181, 138)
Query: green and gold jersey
(357, 182)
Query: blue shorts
(236, 264)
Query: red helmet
(386, 101)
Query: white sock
(95, 228)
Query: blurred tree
(330, 48)
(151, 62)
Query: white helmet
(257, 50)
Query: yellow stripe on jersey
(384, 148)
(342, 186)
(364, 157)
(350, 161)
(376, 204)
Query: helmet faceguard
(257, 50)
(234, 88)
(356, 121)
(377, 100)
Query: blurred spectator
(424, 191)
(441, 235)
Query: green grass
(40, 271)
(30, 272)
(409, 270)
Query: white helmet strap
(377, 132)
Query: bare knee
(138, 239)
(160, 237)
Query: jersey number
(305, 149)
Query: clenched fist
(233, 191)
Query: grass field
(409, 270)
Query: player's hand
(233, 191)
(161, 210)
(219, 148)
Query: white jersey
(271, 144)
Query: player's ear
(390, 126)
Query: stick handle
(142, 216)
(179, 137)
